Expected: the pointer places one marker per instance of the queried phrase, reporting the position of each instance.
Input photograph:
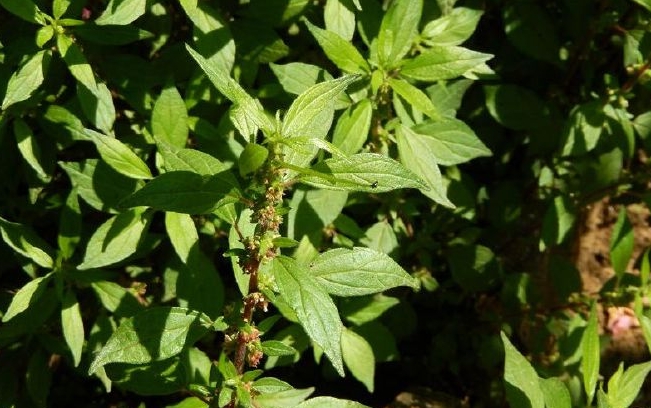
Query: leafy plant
(205, 203)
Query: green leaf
(531, 30)
(453, 28)
(329, 402)
(247, 34)
(152, 335)
(451, 141)
(440, 63)
(644, 3)
(120, 157)
(352, 127)
(339, 17)
(24, 240)
(25, 9)
(111, 34)
(358, 357)
(417, 98)
(69, 225)
(98, 106)
(521, 381)
(367, 172)
(556, 393)
(182, 233)
(44, 35)
(515, 107)
(121, 12)
(282, 399)
(313, 306)
(622, 242)
(474, 268)
(180, 191)
(339, 50)
(277, 348)
(381, 237)
(417, 156)
(116, 239)
(584, 128)
(358, 271)
(233, 91)
(29, 148)
(363, 309)
(169, 119)
(297, 77)
(155, 378)
(198, 286)
(72, 325)
(116, 299)
(622, 390)
(590, 354)
(252, 158)
(398, 31)
(447, 96)
(558, 222)
(196, 161)
(27, 78)
(211, 29)
(27, 295)
(59, 7)
(77, 63)
(312, 109)
(38, 377)
(98, 184)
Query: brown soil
(593, 263)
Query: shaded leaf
(27, 295)
(622, 242)
(590, 354)
(24, 240)
(116, 239)
(152, 335)
(521, 381)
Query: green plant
(205, 202)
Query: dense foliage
(279, 203)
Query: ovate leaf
(169, 119)
(26, 296)
(521, 380)
(339, 50)
(72, 326)
(180, 191)
(152, 335)
(417, 156)
(339, 17)
(252, 158)
(358, 271)
(398, 31)
(368, 172)
(453, 28)
(359, 358)
(122, 12)
(282, 399)
(451, 141)
(120, 157)
(313, 306)
(440, 63)
(27, 78)
(24, 240)
(308, 111)
(590, 354)
(116, 239)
